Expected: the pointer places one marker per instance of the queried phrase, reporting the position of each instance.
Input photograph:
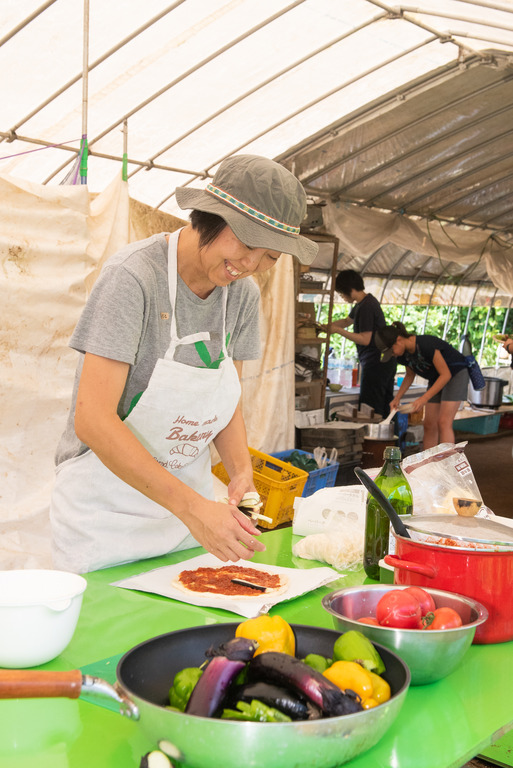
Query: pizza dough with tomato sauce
(218, 581)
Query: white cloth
(97, 519)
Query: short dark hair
(208, 225)
(346, 280)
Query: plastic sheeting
(53, 242)
(362, 231)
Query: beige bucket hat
(260, 200)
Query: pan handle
(407, 565)
(44, 684)
(34, 684)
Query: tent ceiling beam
(440, 15)
(26, 21)
(392, 271)
(408, 206)
(95, 63)
(498, 199)
(432, 143)
(198, 66)
(503, 213)
(104, 155)
(403, 12)
(436, 190)
(262, 84)
(306, 107)
(496, 180)
(371, 258)
(378, 107)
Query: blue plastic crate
(318, 478)
(487, 424)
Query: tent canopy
(376, 107)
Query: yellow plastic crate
(277, 482)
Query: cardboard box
(314, 391)
(308, 418)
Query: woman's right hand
(395, 403)
(223, 530)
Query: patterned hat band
(253, 212)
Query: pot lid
(478, 530)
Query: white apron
(97, 519)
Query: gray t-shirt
(128, 318)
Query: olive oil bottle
(378, 536)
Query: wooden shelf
(327, 295)
(310, 342)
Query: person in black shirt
(366, 316)
(444, 368)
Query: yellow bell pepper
(272, 633)
(350, 674)
(380, 688)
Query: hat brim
(386, 355)
(248, 231)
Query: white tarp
(53, 241)
(362, 231)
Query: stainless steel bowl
(430, 655)
(379, 431)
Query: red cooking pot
(486, 576)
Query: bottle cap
(392, 452)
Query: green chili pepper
(256, 711)
(182, 687)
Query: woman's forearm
(232, 446)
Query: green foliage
(415, 321)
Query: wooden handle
(30, 684)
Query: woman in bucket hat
(161, 341)
(445, 369)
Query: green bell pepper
(182, 687)
(256, 711)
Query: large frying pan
(146, 672)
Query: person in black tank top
(444, 368)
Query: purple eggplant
(285, 670)
(226, 662)
(291, 704)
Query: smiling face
(227, 259)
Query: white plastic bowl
(39, 611)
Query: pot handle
(407, 565)
(44, 684)
(34, 684)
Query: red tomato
(427, 603)
(368, 620)
(398, 609)
(444, 618)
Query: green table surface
(441, 725)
